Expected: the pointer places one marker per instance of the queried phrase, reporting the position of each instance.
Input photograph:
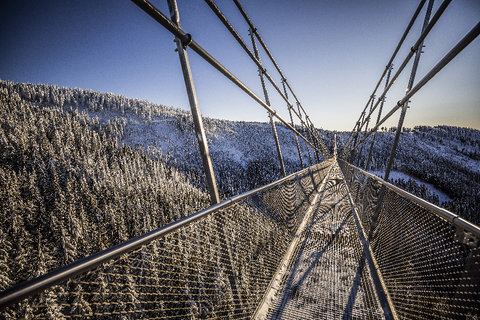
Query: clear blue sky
(331, 51)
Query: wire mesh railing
(329, 276)
(428, 257)
(216, 263)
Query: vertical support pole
(359, 155)
(346, 147)
(382, 191)
(202, 142)
(369, 157)
(352, 154)
(267, 101)
(409, 87)
(311, 137)
(305, 133)
(197, 117)
(335, 146)
(318, 142)
(293, 125)
(315, 141)
(355, 139)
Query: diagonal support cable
(187, 40)
(399, 45)
(252, 56)
(413, 50)
(323, 149)
(410, 85)
(462, 44)
(267, 101)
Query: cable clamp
(186, 40)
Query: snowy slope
(440, 163)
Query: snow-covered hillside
(243, 153)
(440, 164)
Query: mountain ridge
(243, 153)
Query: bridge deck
(328, 276)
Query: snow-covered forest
(82, 170)
(439, 164)
(68, 189)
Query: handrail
(30, 287)
(438, 211)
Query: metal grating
(429, 259)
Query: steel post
(462, 44)
(382, 191)
(202, 142)
(359, 155)
(305, 133)
(293, 124)
(409, 87)
(267, 101)
(317, 144)
(335, 146)
(192, 99)
(351, 151)
(372, 143)
(355, 139)
(345, 149)
(309, 154)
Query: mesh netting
(430, 269)
(216, 267)
(329, 277)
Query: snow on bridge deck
(327, 277)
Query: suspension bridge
(330, 241)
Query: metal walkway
(330, 241)
(294, 249)
(327, 276)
